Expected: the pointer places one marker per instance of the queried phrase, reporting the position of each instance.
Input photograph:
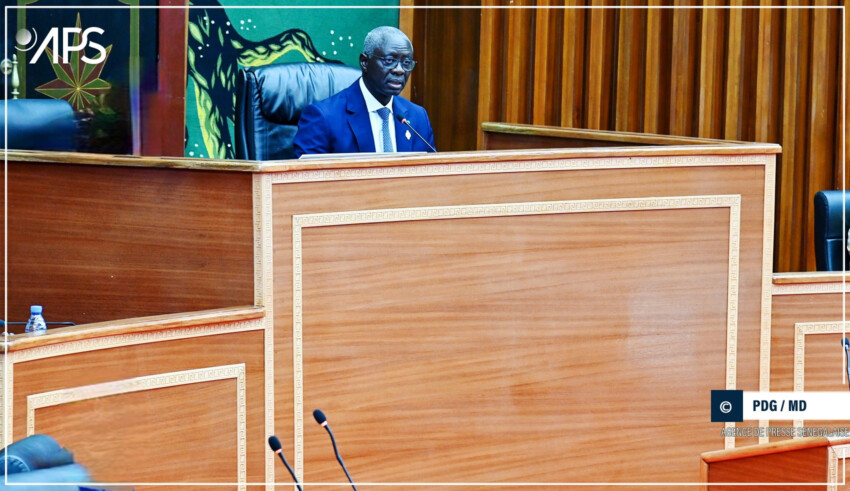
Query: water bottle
(36, 323)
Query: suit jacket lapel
(402, 142)
(358, 119)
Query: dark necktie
(384, 113)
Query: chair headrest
(285, 89)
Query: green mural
(221, 40)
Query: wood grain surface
(94, 244)
(800, 465)
(504, 349)
(502, 136)
(130, 326)
(717, 69)
(824, 355)
(471, 369)
(153, 435)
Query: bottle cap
(35, 309)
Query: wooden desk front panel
(97, 243)
(565, 347)
(808, 465)
(822, 351)
(168, 411)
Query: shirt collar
(372, 104)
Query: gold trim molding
(94, 344)
(299, 222)
(801, 330)
(836, 453)
(264, 295)
(809, 288)
(766, 280)
(523, 166)
(152, 382)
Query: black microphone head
(845, 342)
(320, 416)
(400, 117)
(274, 443)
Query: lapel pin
(407, 134)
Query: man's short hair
(376, 38)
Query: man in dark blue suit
(367, 116)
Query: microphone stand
(338, 458)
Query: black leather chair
(269, 101)
(830, 234)
(39, 124)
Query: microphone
(405, 122)
(277, 448)
(323, 421)
(846, 343)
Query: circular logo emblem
(725, 407)
(26, 40)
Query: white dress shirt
(372, 105)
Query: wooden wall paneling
(658, 59)
(741, 79)
(712, 72)
(821, 117)
(843, 149)
(407, 19)
(572, 64)
(749, 75)
(734, 73)
(768, 74)
(840, 178)
(725, 73)
(630, 65)
(547, 63)
(442, 81)
(791, 216)
(519, 63)
(490, 67)
(601, 60)
(685, 71)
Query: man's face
(381, 81)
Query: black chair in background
(831, 231)
(39, 124)
(269, 101)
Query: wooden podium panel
(454, 318)
(109, 427)
(176, 405)
(464, 371)
(806, 460)
(547, 316)
(806, 350)
(95, 243)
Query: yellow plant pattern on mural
(214, 52)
